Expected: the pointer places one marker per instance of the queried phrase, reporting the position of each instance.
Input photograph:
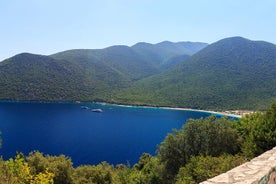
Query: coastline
(175, 108)
(237, 114)
(206, 111)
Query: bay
(119, 134)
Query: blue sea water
(118, 135)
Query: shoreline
(175, 108)
(224, 113)
(206, 111)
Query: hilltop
(86, 74)
(233, 73)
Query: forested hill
(163, 54)
(233, 73)
(86, 74)
(136, 62)
(35, 77)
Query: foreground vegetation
(201, 149)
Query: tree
(247, 128)
(206, 136)
(258, 132)
(200, 168)
(60, 166)
(267, 139)
(149, 169)
(210, 136)
(43, 178)
(103, 173)
(171, 153)
(19, 169)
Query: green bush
(61, 166)
(201, 168)
(258, 132)
(206, 136)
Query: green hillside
(35, 77)
(84, 74)
(136, 62)
(162, 53)
(121, 59)
(233, 73)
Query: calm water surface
(118, 135)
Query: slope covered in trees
(35, 77)
(85, 74)
(233, 73)
(160, 54)
(136, 62)
(121, 59)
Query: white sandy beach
(177, 108)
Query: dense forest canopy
(233, 73)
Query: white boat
(84, 107)
(97, 110)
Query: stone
(260, 170)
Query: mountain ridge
(232, 73)
(223, 75)
(78, 74)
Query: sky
(50, 26)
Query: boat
(97, 110)
(84, 107)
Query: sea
(117, 135)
